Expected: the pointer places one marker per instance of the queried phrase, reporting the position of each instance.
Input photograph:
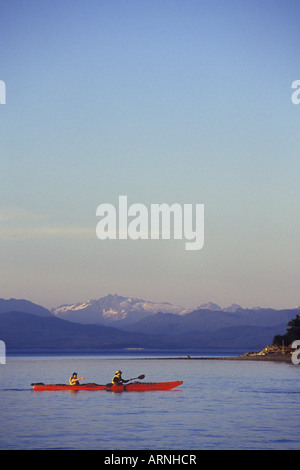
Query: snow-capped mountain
(210, 306)
(216, 308)
(114, 308)
(120, 322)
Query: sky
(164, 101)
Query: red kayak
(89, 386)
(132, 387)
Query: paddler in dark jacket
(74, 380)
(118, 380)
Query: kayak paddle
(140, 377)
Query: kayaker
(118, 379)
(74, 380)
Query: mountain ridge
(200, 328)
(114, 308)
(23, 305)
(22, 330)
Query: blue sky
(162, 101)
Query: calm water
(221, 405)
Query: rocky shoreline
(270, 353)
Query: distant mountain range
(120, 322)
(114, 309)
(120, 311)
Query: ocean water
(221, 404)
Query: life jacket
(73, 381)
(117, 380)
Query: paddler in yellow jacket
(118, 379)
(74, 380)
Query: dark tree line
(292, 333)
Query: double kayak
(131, 387)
